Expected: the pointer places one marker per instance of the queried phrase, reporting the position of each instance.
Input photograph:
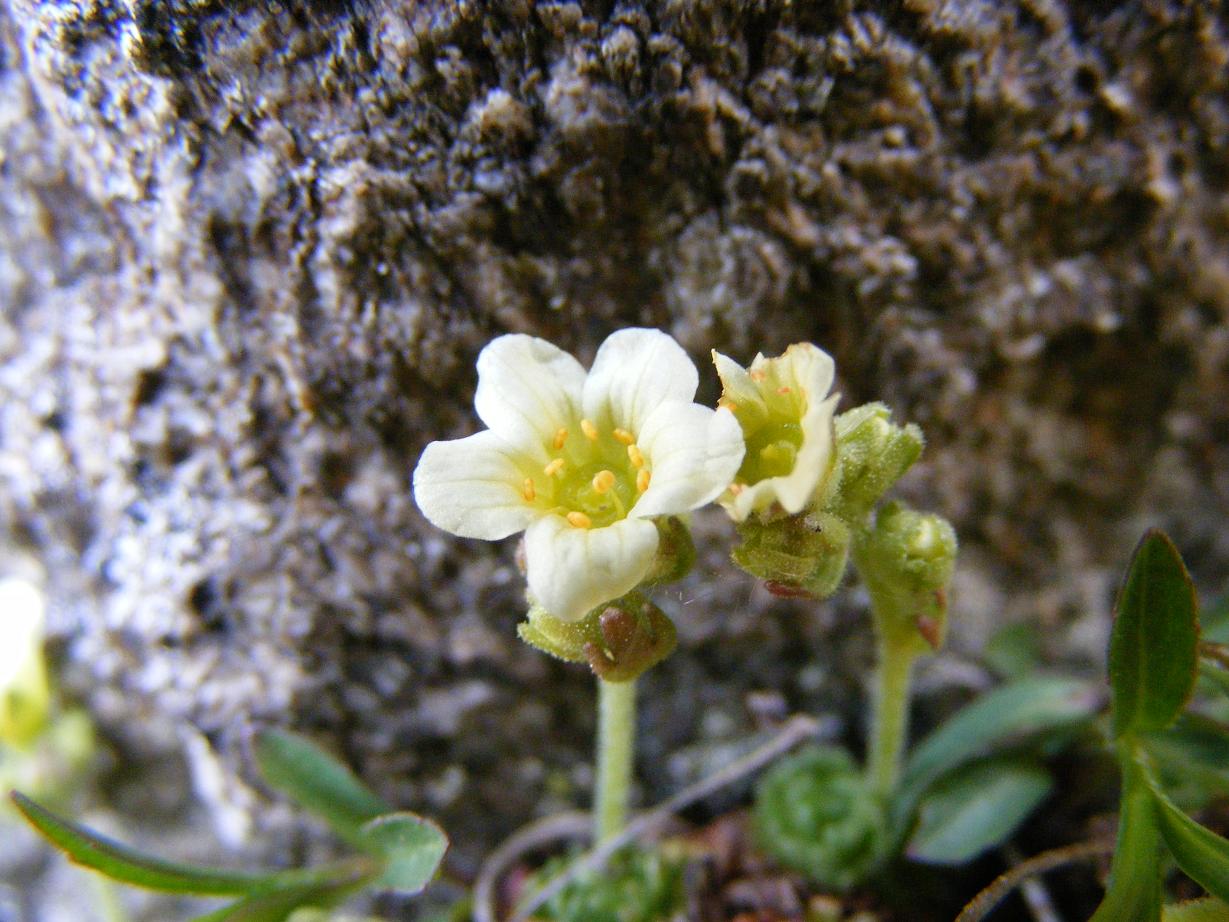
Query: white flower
(24, 695)
(787, 424)
(581, 462)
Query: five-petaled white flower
(581, 463)
(788, 426)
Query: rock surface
(249, 251)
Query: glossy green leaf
(1201, 853)
(976, 808)
(123, 863)
(1154, 641)
(1012, 715)
(319, 783)
(1134, 893)
(412, 846)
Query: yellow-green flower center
(772, 431)
(594, 476)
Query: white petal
(634, 372)
(574, 570)
(692, 453)
(812, 467)
(528, 389)
(472, 487)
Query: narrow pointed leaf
(1134, 893)
(319, 783)
(1201, 853)
(412, 846)
(123, 863)
(976, 808)
(1154, 643)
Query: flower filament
(591, 481)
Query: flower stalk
(616, 741)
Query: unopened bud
(872, 454)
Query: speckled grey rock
(249, 251)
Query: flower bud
(797, 555)
(908, 557)
(872, 453)
(618, 643)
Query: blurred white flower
(24, 695)
(581, 462)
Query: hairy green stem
(616, 744)
(890, 714)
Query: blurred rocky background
(250, 250)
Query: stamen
(622, 435)
(528, 490)
(757, 376)
(736, 488)
(642, 479)
(728, 404)
(579, 520)
(782, 390)
(634, 455)
(590, 430)
(553, 468)
(561, 436)
(603, 481)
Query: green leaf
(1201, 853)
(1191, 759)
(1014, 651)
(122, 863)
(1134, 893)
(1009, 716)
(319, 783)
(412, 846)
(279, 905)
(976, 808)
(1155, 638)
(1217, 675)
(1208, 909)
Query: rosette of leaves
(636, 885)
(816, 813)
(396, 851)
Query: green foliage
(637, 885)
(1209, 909)
(976, 808)
(1200, 852)
(318, 783)
(1134, 892)
(1018, 716)
(816, 813)
(1153, 646)
(404, 851)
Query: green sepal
(1154, 643)
(808, 551)
(412, 848)
(319, 783)
(125, 864)
(618, 642)
(1201, 854)
(676, 552)
(1134, 892)
(976, 808)
(872, 453)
